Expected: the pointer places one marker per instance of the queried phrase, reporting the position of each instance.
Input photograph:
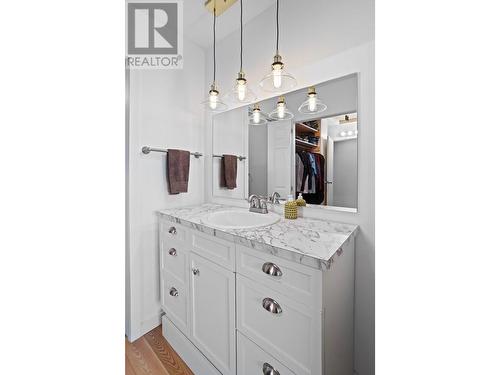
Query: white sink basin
(240, 219)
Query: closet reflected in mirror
(313, 153)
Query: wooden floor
(152, 354)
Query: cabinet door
(213, 312)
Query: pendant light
(278, 80)
(312, 105)
(257, 118)
(281, 112)
(241, 92)
(214, 102)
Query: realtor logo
(154, 34)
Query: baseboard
(146, 326)
(151, 323)
(189, 353)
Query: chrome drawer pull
(172, 230)
(196, 271)
(267, 369)
(271, 269)
(271, 305)
(174, 292)
(172, 252)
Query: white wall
(322, 40)
(164, 111)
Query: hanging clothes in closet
(310, 176)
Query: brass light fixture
(278, 80)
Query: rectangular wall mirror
(312, 154)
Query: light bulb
(277, 72)
(242, 90)
(212, 99)
(312, 102)
(281, 110)
(256, 116)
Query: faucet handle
(253, 200)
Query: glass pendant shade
(241, 93)
(281, 112)
(214, 102)
(278, 80)
(312, 105)
(257, 117)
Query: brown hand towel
(229, 170)
(177, 171)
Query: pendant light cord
(277, 25)
(241, 35)
(214, 44)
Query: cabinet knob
(172, 252)
(174, 292)
(267, 369)
(271, 305)
(172, 230)
(196, 271)
(271, 269)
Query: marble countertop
(312, 242)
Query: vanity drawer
(171, 231)
(174, 300)
(218, 251)
(253, 360)
(174, 259)
(291, 279)
(291, 333)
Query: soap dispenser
(301, 201)
(290, 208)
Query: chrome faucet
(275, 198)
(257, 204)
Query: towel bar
(240, 158)
(147, 150)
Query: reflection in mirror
(312, 154)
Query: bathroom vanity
(246, 299)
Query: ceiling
(198, 21)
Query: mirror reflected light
(312, 105)
(257, 118)
(281, 112)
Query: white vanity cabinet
(230, 309)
